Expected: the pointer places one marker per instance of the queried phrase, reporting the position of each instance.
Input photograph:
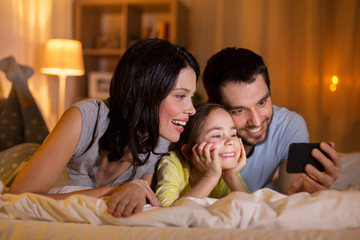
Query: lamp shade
(63, 57)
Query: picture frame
(99, 84)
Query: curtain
(25, 26)
(304, 44)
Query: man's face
(251, 108)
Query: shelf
(107, 28)
(102, 51)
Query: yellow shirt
(173, 181)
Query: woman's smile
(176, 108)
(179, 125)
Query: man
(238, 78)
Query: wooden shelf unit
(107, 28)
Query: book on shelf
(159, 30)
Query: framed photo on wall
(99, 84)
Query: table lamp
(63, 57)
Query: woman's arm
(48, 162)
(150, 195)
(93, 192)
(46, 165)
(130, 198)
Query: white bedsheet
(264, 209)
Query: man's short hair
(232, 65)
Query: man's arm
(313, 180)
(287, 179)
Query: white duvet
(263, 209)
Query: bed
(264, 214)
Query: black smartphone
(300, 155)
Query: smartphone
(300, 155)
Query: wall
(25, 26)
(304, 43)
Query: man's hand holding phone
(310, 159)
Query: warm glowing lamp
(335, 79)
(63, 57)
(334, 82)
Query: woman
(111, 146)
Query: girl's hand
(206, 160)
(130, 198)
(206, 172)
(241, 162)
(230, 176)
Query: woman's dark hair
(144, 76)
(193, 128)
(232, 64)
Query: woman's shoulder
(94, 121)
(92, 110)
(91, 105)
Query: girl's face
(176, 108)
(219, 129)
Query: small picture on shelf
(99, 84)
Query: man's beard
(253, 141)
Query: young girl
(111, 147)
(206, 161)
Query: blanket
(263, 209)
(338, 208)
